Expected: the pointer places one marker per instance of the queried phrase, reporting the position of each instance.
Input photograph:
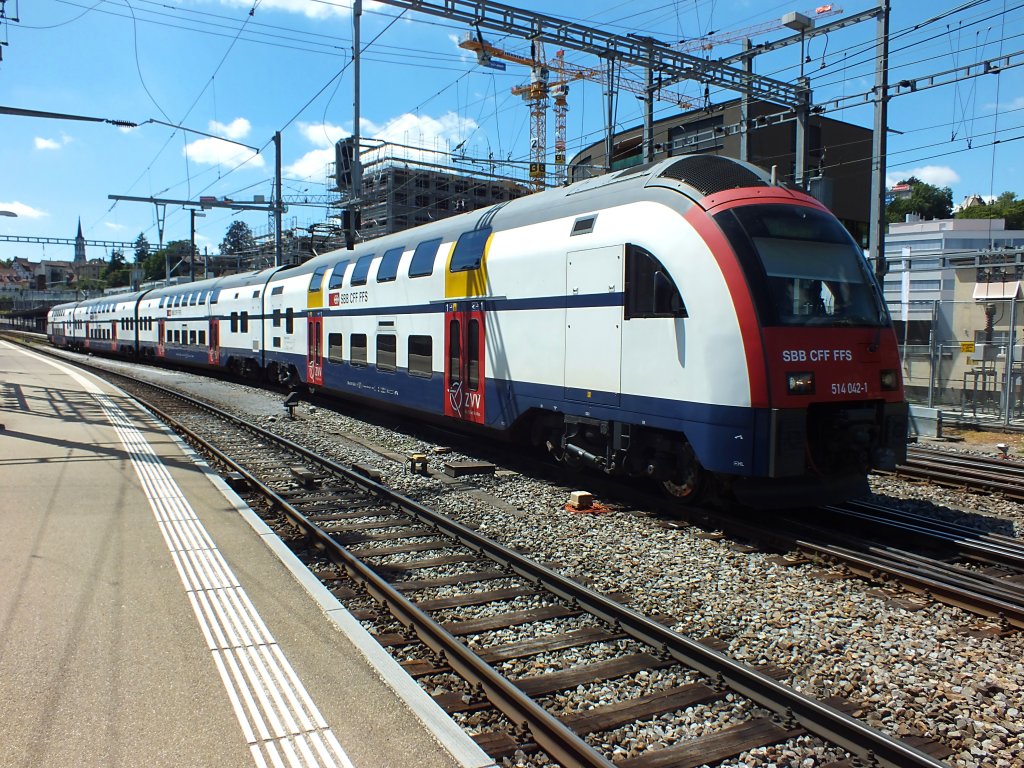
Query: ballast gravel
(934, 671)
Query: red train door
(88, 330)
(160, 337)
(214, 350)
(315, 349)
(464, 373)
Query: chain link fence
(965, 358)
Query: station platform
(148, 617)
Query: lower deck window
(387, 359)
(421, 352)
(334, 348)
(358, 346)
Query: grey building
(839, 154)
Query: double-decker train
(681, 321)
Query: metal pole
(279, 203)
(876, 238)
(931, 355)
(800, 172)
(357, 166)
(609, 136)
(748, 66)
(192, 246)
(649, 109)
(1008, 373)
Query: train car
(686, 321)
(59, 324)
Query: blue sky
(242, 70)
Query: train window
(803, 267)
(650, 290)
(583, 225)
(473, 355)
(454, 352)
(177, 337)
(214, 295)
(192, 299)
(357, 343)
(334, 348)
(202, 338)
(256, 294)
(422, 263)
(469, 250)
(388, 269)
(277, 290)
(387, 355)
(289, 321)
(243, 322)
(337, 275)
(234, 322)
(202, 296)
(276, 318)
(275, 341)
(317, 280)
(361, 269)
(191, 337)
(170, 336)
(421, 356)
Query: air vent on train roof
(709, 174)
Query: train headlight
(890, 380)
(800, 383)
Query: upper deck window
(469, 250)
(422, 263)
(388, 269)
(317, 279)
(337, 275)
(361, 269)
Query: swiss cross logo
(335, 299)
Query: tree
(155, 265)
(116, 272)
(238, 239)
(142, 248)
(926, 200)
(1006, 206)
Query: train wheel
(688, 482)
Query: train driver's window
(650, 289)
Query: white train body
(629, 322)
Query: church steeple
(79, 244)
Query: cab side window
(650, 290)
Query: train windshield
(805, 267)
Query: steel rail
(818, 718)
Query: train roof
(694, 177)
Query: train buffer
(417, 463)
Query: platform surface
(144, 620)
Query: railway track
(956, 470)
(460, 604)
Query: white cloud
(410, 130)
(237, 129)
(307, 8)
(938, 175)
(115, 227)
(42, 143)
(23, 211)
(1017, 103)
(214, 151)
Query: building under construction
(404, 187)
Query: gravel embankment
(916, 672)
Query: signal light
(890, 380)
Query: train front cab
(830, 407)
